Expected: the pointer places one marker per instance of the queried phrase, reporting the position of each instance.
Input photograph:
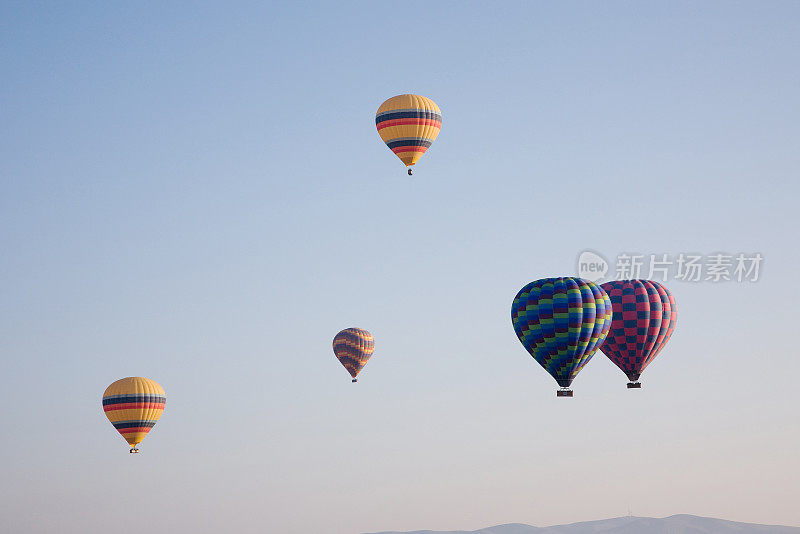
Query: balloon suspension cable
(410, 172)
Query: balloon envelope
(644, 319)
(133, 405)
(561, 322)
(353, 347)
(408, 124)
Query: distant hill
(675, 524)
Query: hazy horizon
(197, 194)
(674, 524)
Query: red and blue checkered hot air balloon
(644, 319)
(561, 322)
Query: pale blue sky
(197, 194)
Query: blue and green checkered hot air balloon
(562, 322)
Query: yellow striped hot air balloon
(408, 124)
(133, 405)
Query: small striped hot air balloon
(353, 348)
(644, 319)
(561, 322)
(133, 405)
(408, 124)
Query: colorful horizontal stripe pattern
(133, 405)
(129, 402)
(561, 322)
(129, 428)
(408, 124)
(644, 320)
(353, 347)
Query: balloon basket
(410, 172)
(634, 385)
(564, 393)
(134, 451)
(355, 380)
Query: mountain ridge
(674, 524)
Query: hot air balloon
(644, 319)
(408, 124)
(561, 322)
(353, 347)
(133, 405)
